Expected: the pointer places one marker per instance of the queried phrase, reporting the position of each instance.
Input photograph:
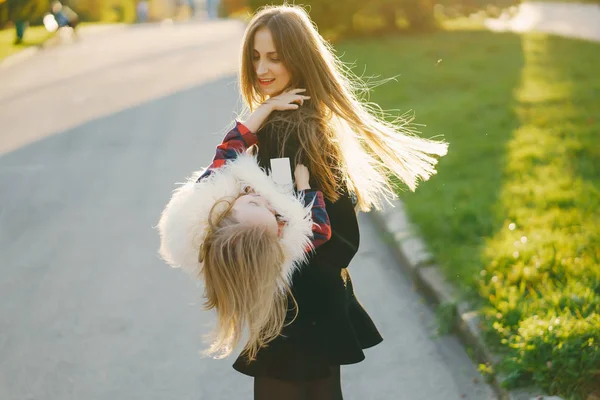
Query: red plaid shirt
(237, 141)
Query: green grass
(34, 36)
(513, 215)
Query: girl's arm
(237, 140)
(321, 226)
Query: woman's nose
(261, 68)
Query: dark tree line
(22, 10)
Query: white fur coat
(184, 221)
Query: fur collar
(183, 223)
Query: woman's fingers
(295, 92)
(301, 99)
(289, 100)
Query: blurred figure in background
(20, 27)
(192, 5)
(65, 16)
(142, 9)
(212, 9)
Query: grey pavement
(93, 137)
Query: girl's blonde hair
(345, 142)
(242, 272)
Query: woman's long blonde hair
(241, 270)
(346, 142)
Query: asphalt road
(93, 136)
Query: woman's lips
(266, 82)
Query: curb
(19, 57)
(418, 263)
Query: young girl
(243, 235)
(304, 104)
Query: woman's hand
(289, 100)
(302, 177)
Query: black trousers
(266, 388)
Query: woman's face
(254, 209)
(273, 77)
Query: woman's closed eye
(272, 58)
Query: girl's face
(273, 77)
(254, 209)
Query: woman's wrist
(266, 105)
(258, 117)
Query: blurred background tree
(464, 8)
(351, 18)
(22, 10)
(105, 10)
(88, 10)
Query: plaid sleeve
(237, 140)
(321, 225)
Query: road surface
(93, 137)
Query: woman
(350, 151)
(303, 104)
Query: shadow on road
(90, 310)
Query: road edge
(419, 264)
(19, 57)
(54, 41)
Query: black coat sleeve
(345, 235)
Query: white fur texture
(184, 220)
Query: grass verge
(513, 215)
(34, 36)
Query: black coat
(332, 327)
